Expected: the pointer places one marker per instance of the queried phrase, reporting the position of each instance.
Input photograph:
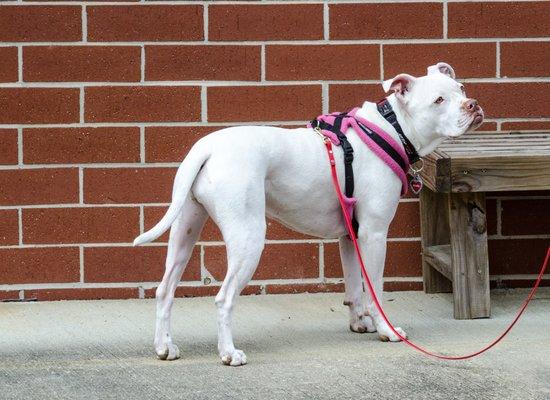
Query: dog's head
(436, 104)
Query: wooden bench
(452, 209)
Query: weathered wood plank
(477, 162)
(439, 257)
(500, 173)
(434, 224)
(469, 255)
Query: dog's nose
(471, 105)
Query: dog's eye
(439, 100)
(462, 88)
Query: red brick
(39, 105)
(128, 185)
(217, 63)
(8, 64)
(386, 21)
(487, 127)
(172, 143)
(132, 264)
(8, 146)
(525, 126)
(265, 22)
(492, 19)
(513, 256)
(80, 145)
(38, 186)
(511, 100)
(293, 288)
(348, 96)
(142, 104)
(277, 231)
(9, 227)
(524, 59)
(322, 62)
(80, 225)
(81, 64)
(399, 286)
(406, 222)
(40, 24)
(279, 261)
(211, 232)
(263, 103)
(525, 217)
(9, 295)
(402, 259)
(82, 293)
(133, 23)
(41, 265)
(152, 215)
(469, 60)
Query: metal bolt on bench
(452, 209)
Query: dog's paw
(167, 351)
(234, 358)
(386, 334)
(363, 325)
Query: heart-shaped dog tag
(416, 185)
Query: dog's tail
(187, 172)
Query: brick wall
(99, 101)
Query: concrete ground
(298, 347)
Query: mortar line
(205, 22)
(497, 59)
(81, 258)
(84, 24)
(19, 147)
(20, 63)
(262, 63)
(142, 144)
(81, 103)
(321, 260)
(20, 225)
(382, 62)
(142, 63)
(80, 185)
(287, 42)
(325, 98)
(204, 104)
(326, 21)
(445, 20)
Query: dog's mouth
(476, 121)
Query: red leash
(349, 226)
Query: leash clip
(318, 131)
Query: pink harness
(351, 119)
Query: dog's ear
(442, 68)
(401, 84)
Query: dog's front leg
(372, 243)
(359, 320)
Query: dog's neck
(424, 142)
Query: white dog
(239, 175)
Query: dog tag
(416, 184)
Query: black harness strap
(349, 186)
(385, 109)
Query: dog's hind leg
(244, 235)
(360, 321)
(183, 235)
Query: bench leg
(434, 225)
(468, 229)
